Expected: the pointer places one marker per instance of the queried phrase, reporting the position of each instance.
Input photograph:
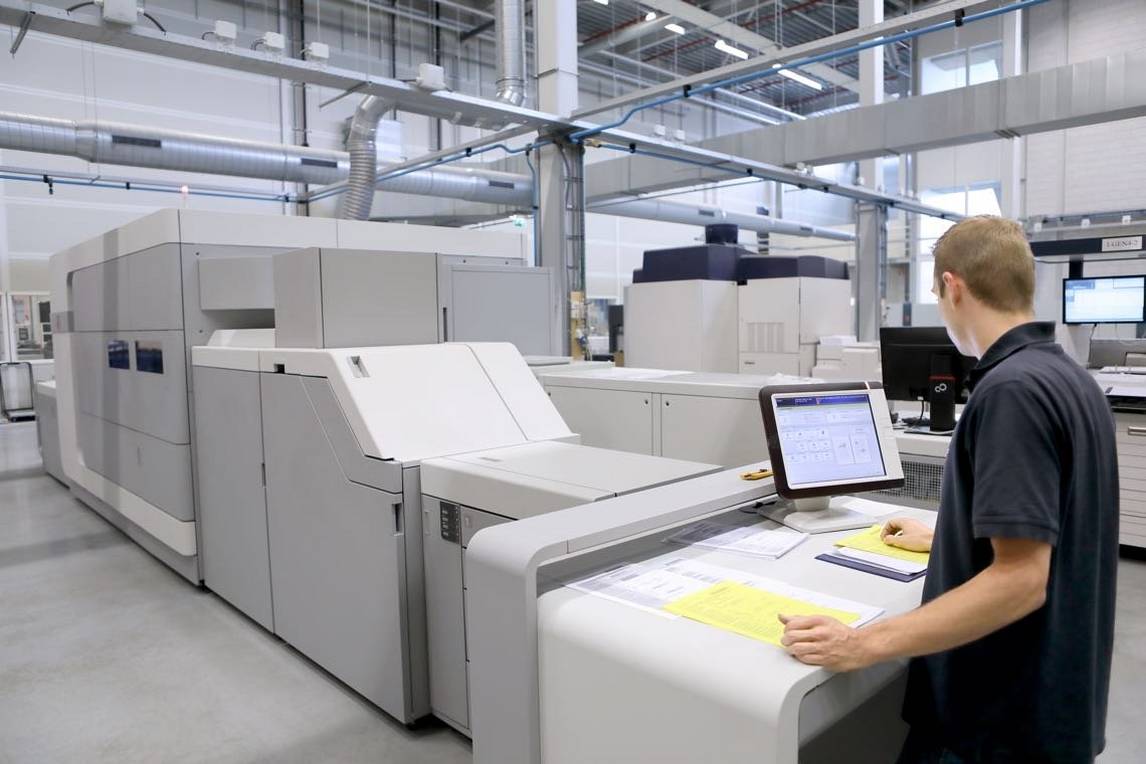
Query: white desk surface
(713, 384)
(622, 684)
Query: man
(1011, 647)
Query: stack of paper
(868, 547)
(755, 540)
(749, 611)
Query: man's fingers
(802, 621)
(792, 636)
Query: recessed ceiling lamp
(731, 50)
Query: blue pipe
(124, 186)
(580, 135)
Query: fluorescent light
(602, 2)
(675, 28)
(731, 50)
(651, 16)
(802, 79)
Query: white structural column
(871, 219)
(560, 167)
(1012, 180)
(7, 334)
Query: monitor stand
(819, 515)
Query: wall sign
(1122, 244)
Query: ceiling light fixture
(802, 79)
(651, 16)
(731, 50)
(602, 2)
(677, 28)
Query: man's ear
(952, 284)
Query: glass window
(118, 354)
(944, 72)
(968, 200)
(149, 356)
(968, 66)
(985, 63)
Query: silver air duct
(509, 19)
(676, 212)
(361, 144)
(115, 143)
(189, 152)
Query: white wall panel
(1099, 167)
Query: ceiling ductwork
(113, 143)
(362, 146)
(117, 143)
(509, 20)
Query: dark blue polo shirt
(1033, 457)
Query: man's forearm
(995, 598)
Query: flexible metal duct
(115, 143)
(509, 19)
(677, 212)
(361, 143)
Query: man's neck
(993, 325)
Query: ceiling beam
(943, 11)
(454, 107)
(1073, 95)
(730, 31)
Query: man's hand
(905, 533)
(822, 641)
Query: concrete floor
(106, 656)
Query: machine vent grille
(763, 337)
(922, 481)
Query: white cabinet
(685, 325)
(726, 431)
(618, 419)
(1130, 437)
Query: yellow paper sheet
(870, 541)
(747, 610)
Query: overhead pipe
(362, 146)
(509, 20)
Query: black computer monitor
(920, 363)
(1112, 300)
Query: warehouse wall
(1096, 168)
(1089, 169)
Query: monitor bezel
(776, 454)
(1069, 279)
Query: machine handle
(1139, 431)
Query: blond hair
(992, 256)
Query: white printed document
(753, 540)
(656, 583)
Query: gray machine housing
(333, 298)
(344, 587)
(135, 418)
